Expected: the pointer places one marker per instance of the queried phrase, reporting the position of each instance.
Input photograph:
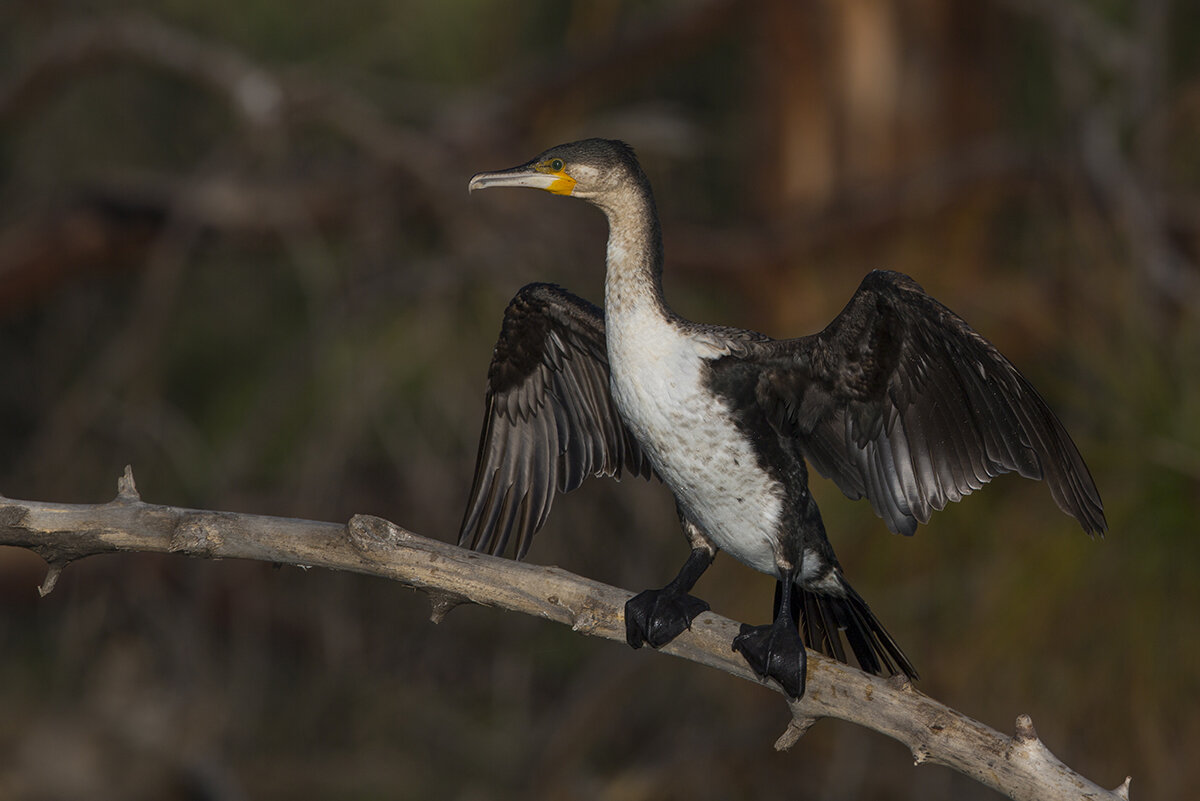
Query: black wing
(550, 420)
(898, 399)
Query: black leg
(775, 651)
(656, 617)
(797, 602)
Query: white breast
(690, 436)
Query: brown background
(237, 252)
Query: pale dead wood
(1019, 766)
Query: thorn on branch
(1025, 732)
(47, 586)
(441, 602)
(1025, 743)
(795, 730)
(127, 491)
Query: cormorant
(898, 400)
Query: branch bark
(1019, 766)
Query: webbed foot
(656, 617)
(775, 651)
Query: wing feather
(550, 421)
(898, 399)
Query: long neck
(633, 282)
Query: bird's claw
(775, 651)
(655, 617)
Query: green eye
(556, 165)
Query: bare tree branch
(253, 92)
(1019, 766)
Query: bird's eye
(556, 164)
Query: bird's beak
(525, 175)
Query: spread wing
(550, 420)
(901, 401)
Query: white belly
(691, 440)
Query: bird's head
(590, 169)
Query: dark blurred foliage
(237, 252)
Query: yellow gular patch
(563, 184)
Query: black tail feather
(824, 618)
(819, 626)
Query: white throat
(658, 366)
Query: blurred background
(238, 253)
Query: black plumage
(900, 401)
(549, 422)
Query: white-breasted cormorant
(898, 400)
